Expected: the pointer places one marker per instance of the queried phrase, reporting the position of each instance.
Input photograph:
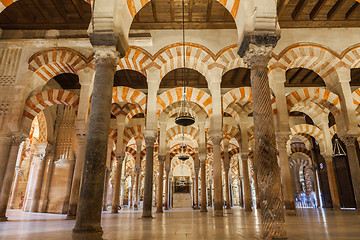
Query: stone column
(196, 188)
(167, 172)
(316, 185)
(122, 190)
(116, 193)
(131, 192)
(349, 141)
(18, 171)
(42, 153)
(78, 170)
(88, 218)
(287, 187)
(150, 138)
(203, 182)
(241, 193)
(44, 199)
(227, 188)
(216, 138)
(246, 182)
(256, 51)
(332, 182)
(211, 193)
(106, 185)
(137, 187)
(159, 204)
(9, 175)
(5, 144)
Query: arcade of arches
(89, 91)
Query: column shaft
(246, 182)
(137, 188)
(159, 204)
(38, 184)
(197, 188)
(203, 186)
(227, 189)
(106, 186)
(16, 183)
(332, 183)
(167, 190)
(116, 194)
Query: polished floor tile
(185, 224)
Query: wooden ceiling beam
(334, 9)
(234, 76)
(153, 8)
(191, 3)
(247, 74)
(282, 4)
(317, 9)
(78, 8)
(350, 12)
(188, 25)
(172, 10)
(43, 11)
(127, 77)
(295, 75)
(175, 77)
(298, 9)
(25, 12)
(306, 76)
(209, 7)
(61, 10)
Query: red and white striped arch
(352, 57)
(130, 95)
(333, 130)
(195, 95)
(229, 131)
(230, 59)
(177, 130)
(40, 101)
(299, 161)
(132, 132)
(136, 59)
(308, 129)
(317, 95)
(177, 162)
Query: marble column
(196, 188)
(137, 187)
(116, 193)
(18, 171)
(159, 204)
(167, 192)
(42, 154)
(75, 185)
(227, 188)
(349, 141)
(287, 187)
(9, 175)
(211, 204)
(256, 51)
(216, 138)
(316, 186)
(332, 182)
(106, 186)
(203, 183)
(150, 138)
(241, 192)
(246, 182)
(122, 190)
(5, 144)
(44, 199)
(88, 219)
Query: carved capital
(105, 55)
(349, 140)
(244, 156)
(202, 157)
(120, 158)
(216, 137)
(138, 170)
(17, 139)
(161, 158)
(150, 137)
(281, 140)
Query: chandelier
(183, 156)
(338, 150)
(184, 117)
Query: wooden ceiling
(130, 78)
(46, 14)
(239, 77)
(301, 77)
(68, 81)
(192, 79)
(319, 13)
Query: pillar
(9, 175)
(122, 190)
(42, 153)
(16, 183)
(5, 144)
(159, 204)
(256, 50)
(137, 187)
(106, 186)
(150, 138)
(44, 199)
(88, 218)
(216, 138)
(196, 188)
(227, 188)
(349, 141)
(75, 185)
(332, 182)
(203, 183)
(116, 193)
(246, 182)
(167, 178)
(240, 187)
(287, 187)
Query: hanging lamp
(338, 150)
(183, 156)
(184, 117)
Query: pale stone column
(131, 192)
(349, 141)
(88, 218)
(5, 144)
(18, 171)
(216, 138)
(137, 188)
(42, 153)
(106, 186)
(150, 138)
(159, 204)
(79, 165)
(241, 193)
(227, 188)
(196, 188)
(44, 199)
(256, 50)
(211, 193)
(122, 190)
(246, 182)
(332, 182)
(9, 175)
(287, 187)
(203, 182)
(116, 193)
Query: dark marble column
(116, 195)
(256, 51)
(159, 204)
(203, 182)
(332, 181)
(349, 141)
(9, 175)
(106, 185)
(196, 188)
(216, 138)
(150, 138)
(246, 182)
(137, 187)
(88, 219)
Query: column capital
(202, 157)
(138, 170)
(150, 137)
(216, 137)
(197, 170)
(244, 156)
(281, 139)
(106, 55)
(17, 139)
(162, 158)
(120, 157)
(349, 139)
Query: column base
(68, 217)
(90, 235)
(3, 219)
(166, 208)
(159, 211)
(203, 210)
(228, 207)
(147, 216)
(291, 212)
(218, 213)
(196, 208)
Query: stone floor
(185, 224)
